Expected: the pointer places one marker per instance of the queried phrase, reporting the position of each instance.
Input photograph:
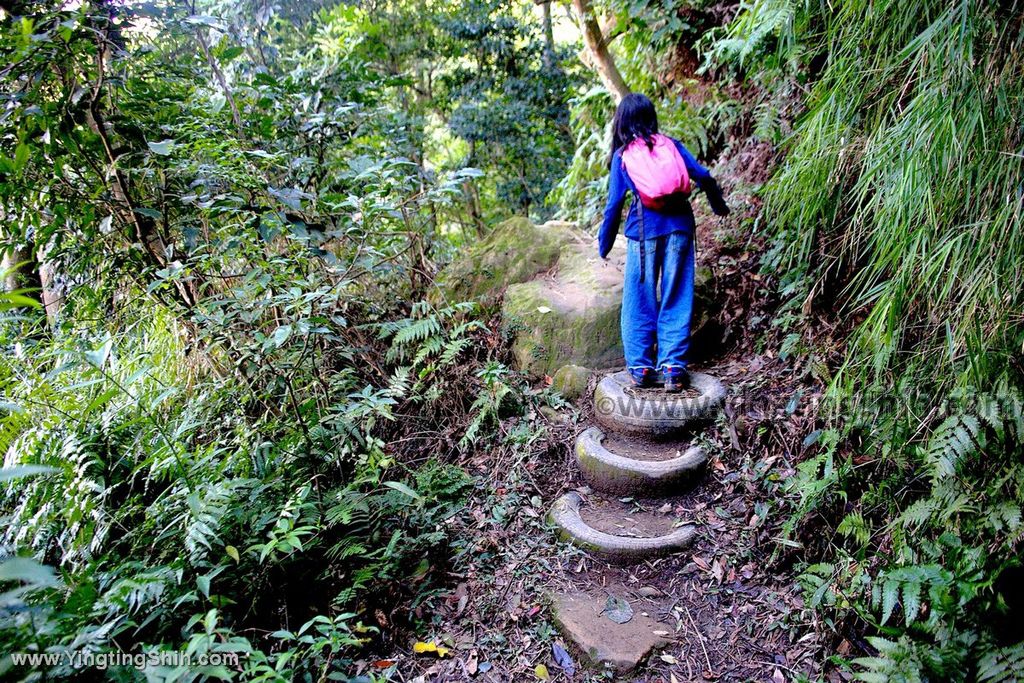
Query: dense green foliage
(237, 425)
(234, 434)
(482, 89)
(899, 200)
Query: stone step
(636, 468)
(618, 641)
(612, 530)
(620, 406)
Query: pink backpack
(657, 173)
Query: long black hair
(634, 118)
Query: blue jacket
(676, 218)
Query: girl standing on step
(657, 297)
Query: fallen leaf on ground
(421, 648)
(618, 610)
(562, 659)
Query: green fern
(818, 582)
(208, 506)
(853, 526)
(488, 404)
(416, 331)
(761, 25)
(905, 585)
(897, 662)
(954, 441)
(1005, 665)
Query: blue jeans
(656, 313)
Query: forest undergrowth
(233, 424)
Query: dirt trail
(732, 617)
(733, 609)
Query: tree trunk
(602, 59)
(52, 288)
(236, 115)
(549, 35)
(140, 227)
(20, 269)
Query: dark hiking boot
(676, 379)
(643, 378)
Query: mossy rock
(572, 315)
(561, 301)
(703, 302)
(571, 381)
(515, 251)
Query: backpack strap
(643, 241)
(640, 212)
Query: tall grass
(907, 169)
(898, 205)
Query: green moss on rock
(570, 316)
(561, 302)
(571, 381)
(548, 336)
(515, 251)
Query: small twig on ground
(700, 638)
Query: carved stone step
(618, 644)
(636, 468)
(620, 406)
(617, 534)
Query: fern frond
(953, 442)
(453, 350)
(417, 330)
(1004, 665)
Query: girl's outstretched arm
(613, 210)
(705, 180)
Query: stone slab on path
(581, 619)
